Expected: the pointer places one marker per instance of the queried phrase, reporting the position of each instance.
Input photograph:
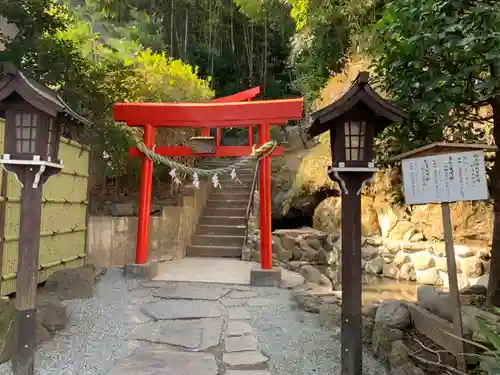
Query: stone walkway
(195, 329)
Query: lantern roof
(39, 96)
(360, 92)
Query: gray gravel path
(111, 334)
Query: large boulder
(327, 216)
(73, 283)
(313, 275)
(393, 314)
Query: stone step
(218, 240)
(214, 251)
(241, 203)
(236, 230)
(221, 195)
(223, 220)
(224, 211)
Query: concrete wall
(111, 241)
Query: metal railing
(250, 204)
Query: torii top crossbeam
(213, 114)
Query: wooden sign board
(446, 177)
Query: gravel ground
(297, 344)
(95, 336)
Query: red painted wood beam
(199, 115)
(222, 151)
(239, 96)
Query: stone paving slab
(154, 284)
(244, 359)
(196, 292)
(238, 313)
(238, 328)
(190, 334)
(259, 301)
(158, 360)
(244, 294)
(241, 344)
(181, 309)
(231, 302)
(248, 372)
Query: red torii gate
(215, 114)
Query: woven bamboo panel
(63, 227)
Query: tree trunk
(494, 280)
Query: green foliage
(94, 70)
(439, 60)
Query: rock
(393, 314)
(375, 265)
(296, 254)
(413, 235)
(375, 241)
(240, 359)
(182, 309)
(399, 355)
(238, 328)
(407, 272)
(434, 301)
(369, 310)
(166, 360)
(240, 343)
(282, 254)
(7, 330)
(74, 283)
(312, 275)
(369, 252)
(246, 253)
(474, 289)
(314, 243)
(387, 220)
(463, 251)
(390, 271)
(382, 339)
(388, 258)
(401, 258)
(324, 258)
(367, 329)
(308, 302)
(51, 313)
(472, 267)
(199, 334)
(392, 246)
(330, 315)
(422, 261)
(428, 277)
(415, 247)
(400, 229)
(287, 241)
(442, 264)
(462, 280)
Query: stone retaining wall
(414, 260)
(424, 262)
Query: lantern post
(35, 116)
(353, 121)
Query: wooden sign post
(444, 173)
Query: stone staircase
(222, 225)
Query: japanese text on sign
(445, 178)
